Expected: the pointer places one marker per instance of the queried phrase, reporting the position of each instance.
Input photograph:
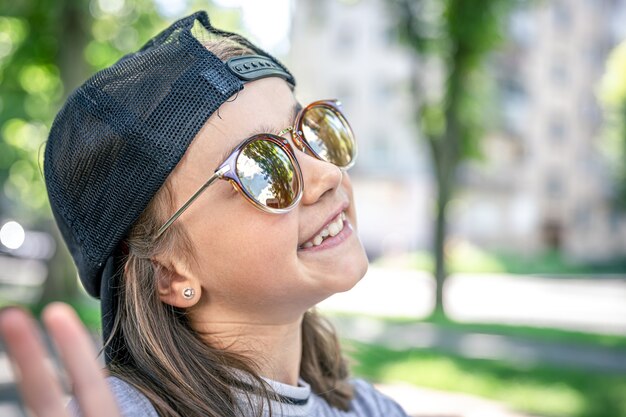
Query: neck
(274, 347)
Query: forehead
(266, 104)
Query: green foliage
(42, 59)
(613, 86)
(30, 85)
(46, 50)
(460, 35)
(120, 30)
(612, 94)
(544, 390)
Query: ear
(173, 281)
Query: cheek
(246, 251)
(346, 184)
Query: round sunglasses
(264, 169)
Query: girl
(210, 212)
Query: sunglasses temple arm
(217, 175)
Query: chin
(349, 271)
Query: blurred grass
(465, 257)
(545, 334)
(543, 390)
(87, 309)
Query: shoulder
(130, 401)
(368, 401)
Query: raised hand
(39, 386)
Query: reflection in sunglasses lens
(267, 174)
(329, 135)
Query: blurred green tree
(612, 94)
(46, 50)
(40, 43)
(458, 35)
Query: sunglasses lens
(329, 135)
(267, 174)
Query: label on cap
(255, 67)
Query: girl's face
(251, 265)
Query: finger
(39, 387)
(77, 351)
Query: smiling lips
(333, 228)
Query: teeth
(332, 229)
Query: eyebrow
(265, 128)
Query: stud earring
(188, 293)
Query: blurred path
(424, 402)
(590, 304)
(481, 346)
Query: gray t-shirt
(302, 402)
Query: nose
(319, 177)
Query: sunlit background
(531, 254)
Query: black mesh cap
(121, 133)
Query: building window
(582, 217)
(389, 36)
(522, 27)
(381, 151)
(554, 185)
(561, 15)
(590, 113)
(559, 73)
(344, 93)
(345, 39)
(383, 90)
(616, 217)
(596, 53)
(317, 14)
(557, 129)
(514, 101)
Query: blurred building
(542, 185)
(545, 184)
(345, 50)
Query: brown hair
(168, 362)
